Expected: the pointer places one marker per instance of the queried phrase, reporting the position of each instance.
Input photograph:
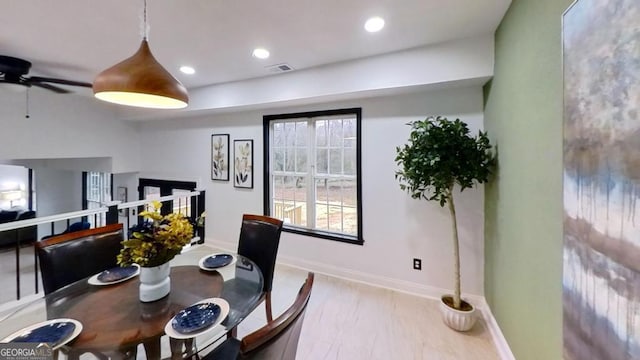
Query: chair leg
(152, 348)
(188, 352)
(176, 348)
(189, 348)
(267, 306)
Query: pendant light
(141, 81)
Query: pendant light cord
(145, 20)
(26, 116)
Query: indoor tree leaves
(439, 154)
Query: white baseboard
(403, 286)
(504, 351)
(408, 287)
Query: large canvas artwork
(601, 278)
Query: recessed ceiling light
(260, 53)
(187, 70)
(374, 24)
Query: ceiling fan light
(140, 81)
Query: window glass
(312, 164)
(98, 193)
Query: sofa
(24, 235)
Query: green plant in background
(440, 154)
(157, 240)
(201, 219)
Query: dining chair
(259, 239)
(278, 339)
(72, 256)
(69, 257)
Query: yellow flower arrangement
(155, 242)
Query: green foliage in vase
(158, 240)
(441, 153)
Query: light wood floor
(351, 321)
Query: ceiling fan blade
(38, 79)
(53, 88)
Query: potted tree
(439, 155)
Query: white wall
(72, 164)
(64, 132)
(64, 126)
(57, 191)
(396, 228)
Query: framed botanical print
(220, 157)
(243, 163)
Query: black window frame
(266, 121)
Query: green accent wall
(523, 203)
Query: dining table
(114, 321)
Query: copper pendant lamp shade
(140, 81)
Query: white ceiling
(76, 39)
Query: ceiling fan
(14, 70)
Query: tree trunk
(456, 249)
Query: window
(312, 173)
(155, 188)
(97, 193)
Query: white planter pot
(154, 282)
(456, 319)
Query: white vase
(457, 319)
(154, 282)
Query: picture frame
(220, 157)
(243, 163)
(600, 65)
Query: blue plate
(51, 333)
(195, 317)
(117, 273)
(217, 261)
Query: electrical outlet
(417, 264)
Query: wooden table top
(114, 319)
(113, 316)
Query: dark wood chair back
(259, 240)
(67, 258)
(279, 338)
